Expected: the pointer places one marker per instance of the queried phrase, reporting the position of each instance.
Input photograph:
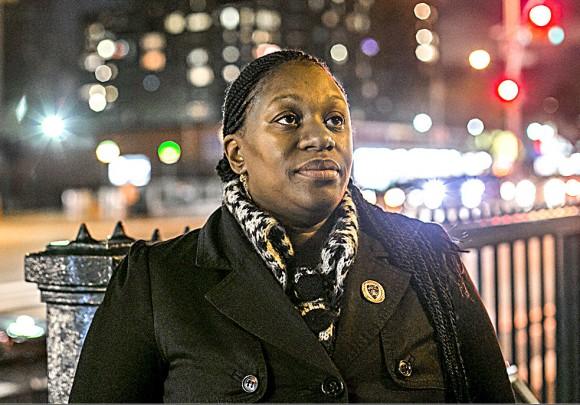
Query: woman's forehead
(299, 80)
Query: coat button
(405, 368)
(250, 383)
(332, 387)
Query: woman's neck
(308, 242)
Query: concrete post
(72, 277)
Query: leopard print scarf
(316, 292)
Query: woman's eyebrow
(296, 97)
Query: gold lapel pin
(373, 291)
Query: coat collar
(250, 296)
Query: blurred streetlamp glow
(370, 196)
(507, 191)
(479, 59)
(508, 90)
(472, 193)
(525, 194)
(555, 193)
(107, 151)
(434, 192)
(394, 197)
(556, 35)
(422, 11)
(339, 53)
(422, 122)
(53, 126)
(540, 15)
(475, 126)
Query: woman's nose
(317, 138)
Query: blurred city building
(95, 92)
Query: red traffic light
(508, 90)
(540, 15)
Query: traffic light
(508, 90)
(542, 16)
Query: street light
(508, 90)
(540, 15)
(479, 59)
(52, 126)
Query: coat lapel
(251, 297)
(362, 320)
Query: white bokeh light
(434, 192)
(475, 126)
(53, 126)
(472, 193)
(422, 122)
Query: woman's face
(296, 145)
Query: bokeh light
(415, 198)
(98, 101)
(201, 76)
(231, 54)
(422, 122)
(130, 169)
(107, 151)
(540, 15)
(369, 46)
(475, 126)
(230, 18)
(230, 73)
(198, 57)
(472, 192)
(427, 53)
(106, 48)
(508, 90)
(422, 11)
(525, 194)
(479, 59)
(573, 188)
(424, 36)
(339, 53)
(394, 197)
(175, 23)
(369, 195)
(169, 152)
(153, 60)
(434, 192)
(507, 191)
(555, 193)
(556, 35)
(53, 126)
(198, 22)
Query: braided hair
(433, 260)
(423, 250)
(241, 92)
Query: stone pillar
(72, 277)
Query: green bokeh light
(169, 152)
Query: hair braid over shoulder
(432, 259)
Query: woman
(296, 289)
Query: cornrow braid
(433, 260)
(240, 94)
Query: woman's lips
(320, 169)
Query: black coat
(194, 319)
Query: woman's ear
(233, 153)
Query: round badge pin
(373, 291)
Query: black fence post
(568, 318)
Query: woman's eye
(288, 119)
(336, 121)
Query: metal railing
(527, 274)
